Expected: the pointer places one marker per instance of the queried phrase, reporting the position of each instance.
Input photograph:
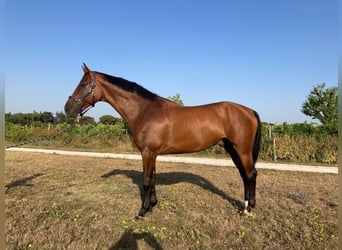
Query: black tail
(257, 139)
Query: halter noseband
(79, 101)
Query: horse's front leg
(149, 196)
(153, 189)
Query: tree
(23, 119)
(176, 98)
(60, 117)
(87, 120)
(124, 125)
(322, 104)
(46, 117)
(108, 119)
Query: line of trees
(40, 119)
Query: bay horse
(160, 126)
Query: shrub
(300, 149)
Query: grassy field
(70, 202)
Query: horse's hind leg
(249, 181)
(246, 167)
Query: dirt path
(194, 160)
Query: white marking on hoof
(138, 217)
(246, 205)
(246, 213)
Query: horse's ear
(85, 68)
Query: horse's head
(84, 96)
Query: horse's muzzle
(72, 107)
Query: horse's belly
(191, 140)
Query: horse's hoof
(139, 217)
(246, 213)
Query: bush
(301, 149)
(327, 150)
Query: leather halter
(79, 101)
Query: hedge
(299, 149)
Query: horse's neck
(127, 104)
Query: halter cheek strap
(91, 91)
(93, 85)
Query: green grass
(70, 202)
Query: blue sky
(263, 54)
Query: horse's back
(222, 110)
(227, 119)
(177, 129)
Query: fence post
(271, 135)
(274, 150)
(270, 127)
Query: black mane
(130, 86)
